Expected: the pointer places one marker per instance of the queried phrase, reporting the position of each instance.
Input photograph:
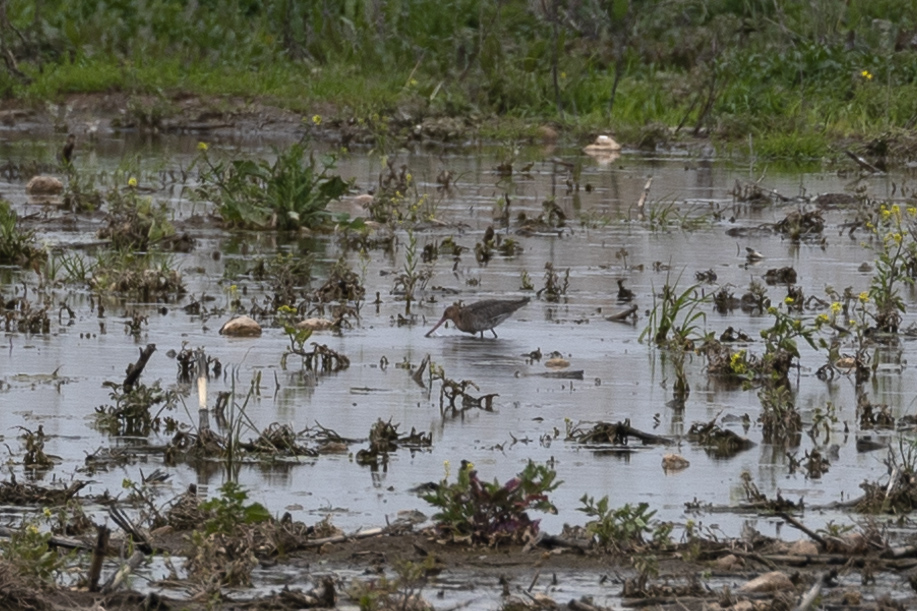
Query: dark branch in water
(135, 369)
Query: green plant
(151, 276)
(132, 413)
(291, 193)
(490, 513)
(622, 528)
(229, 510)
(27, 549)
(401, 592)
(894, 240)
(676, 313)
(135, 222)
(411, 279)
(780, 347)
(554, 288)
(780, 421)
(17, 245)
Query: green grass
(732, 68)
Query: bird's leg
(492, 331)
(482, 335)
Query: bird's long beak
(441, 321)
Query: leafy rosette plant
(490, 513)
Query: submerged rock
(602, 144)
(316, 324)
(674, 462)
(241, 326)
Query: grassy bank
(791, 77)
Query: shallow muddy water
(56, 380)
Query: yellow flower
(132, 182)
(897, 237)
(821, 319)
(788, 300)
(864, 296)
(866, 75)
(835, 307)
(46, 512)
(911, 211)
(316, 119)
(202, 146)
(772, 310)
(886, 213)
(896, 210)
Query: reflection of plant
(490, 513)
(290, 193)
(622, 528)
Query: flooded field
(693, 229)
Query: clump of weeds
(224, 548)
(413, 278)
(470, 510)
(555, 287)
(19, 314)
(401, 592)
(17, 245)
(132, 412)
(291, 193)
(720, 442)
(343, 286)
(626, 528)
(151, 277)
(288, 277)
(551, 220)
(384, 438)
(781, 423)
(320, 359)
(29, 560)
(898, 495)
(133, 222)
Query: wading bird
(480, 316)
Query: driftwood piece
(55, 540)
(135, 369)
(363, 534)
(118, 577)
(140, 538)
(98, 555)
(813, 593)
(642, 201)
(623, 315)
(863, 163)
(799, 525)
